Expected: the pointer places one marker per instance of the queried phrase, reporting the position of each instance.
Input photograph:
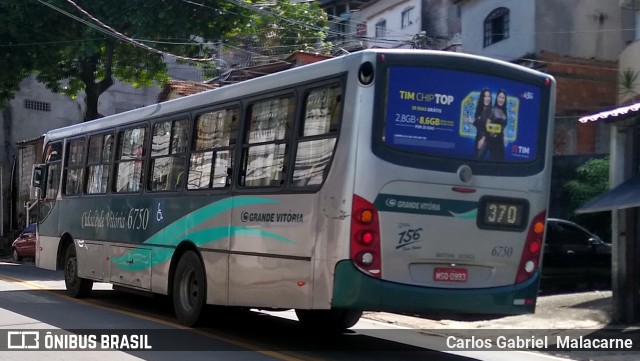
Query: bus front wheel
(77, 287)
(189, 290)
(334, 319)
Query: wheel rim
(189, 292)
(15, 255)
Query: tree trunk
(94, 89)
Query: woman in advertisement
(495, 127)
(482, 115)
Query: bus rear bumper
(355, 290)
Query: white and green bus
(372, 181)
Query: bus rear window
(462, 115)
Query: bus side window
(212, 156)
(98, 163)
(130, 159)
(319, 135)
(74, 167)
(265, 144)
(168, 159)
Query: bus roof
(239, 90)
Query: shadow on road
(224, 330)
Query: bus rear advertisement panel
(441, 112)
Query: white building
(512, 29)
(423, 24)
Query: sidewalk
(587, 311)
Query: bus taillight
(530, 260)
(365, 236)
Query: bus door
(47, 215)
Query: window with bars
(37, 105)
(406, 17)
(381, 29)
(496, 26)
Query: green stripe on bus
(473, 214)
(174, 234)
(427, 206)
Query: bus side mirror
(39, 179)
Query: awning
(626, 195)
(614, 114)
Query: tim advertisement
(463, 115)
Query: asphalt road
(33, 300)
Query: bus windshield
(462, 115)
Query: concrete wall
(581, 28)
(521, 40)
(630, 60)
(577, 28)
(390, 12)
(438, 20)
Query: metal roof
(613, 114)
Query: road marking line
(34, 285)
(23, 283)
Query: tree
(70, 52)
(592, 179)
(274, 30)
(284, 27)
(627, 84)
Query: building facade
(417, 24)
(35, 110)
(623, 200)
(577, 41)
(421, 24)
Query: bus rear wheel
(77, 287)
(334, 319)
(189, 291)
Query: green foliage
(69, 56)
(592, 179)
(292, 27)
(627, 83)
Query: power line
(305, 25)
(112, 32)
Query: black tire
(77, 287)
(16, 256)
(189, 289)
(328, 320)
